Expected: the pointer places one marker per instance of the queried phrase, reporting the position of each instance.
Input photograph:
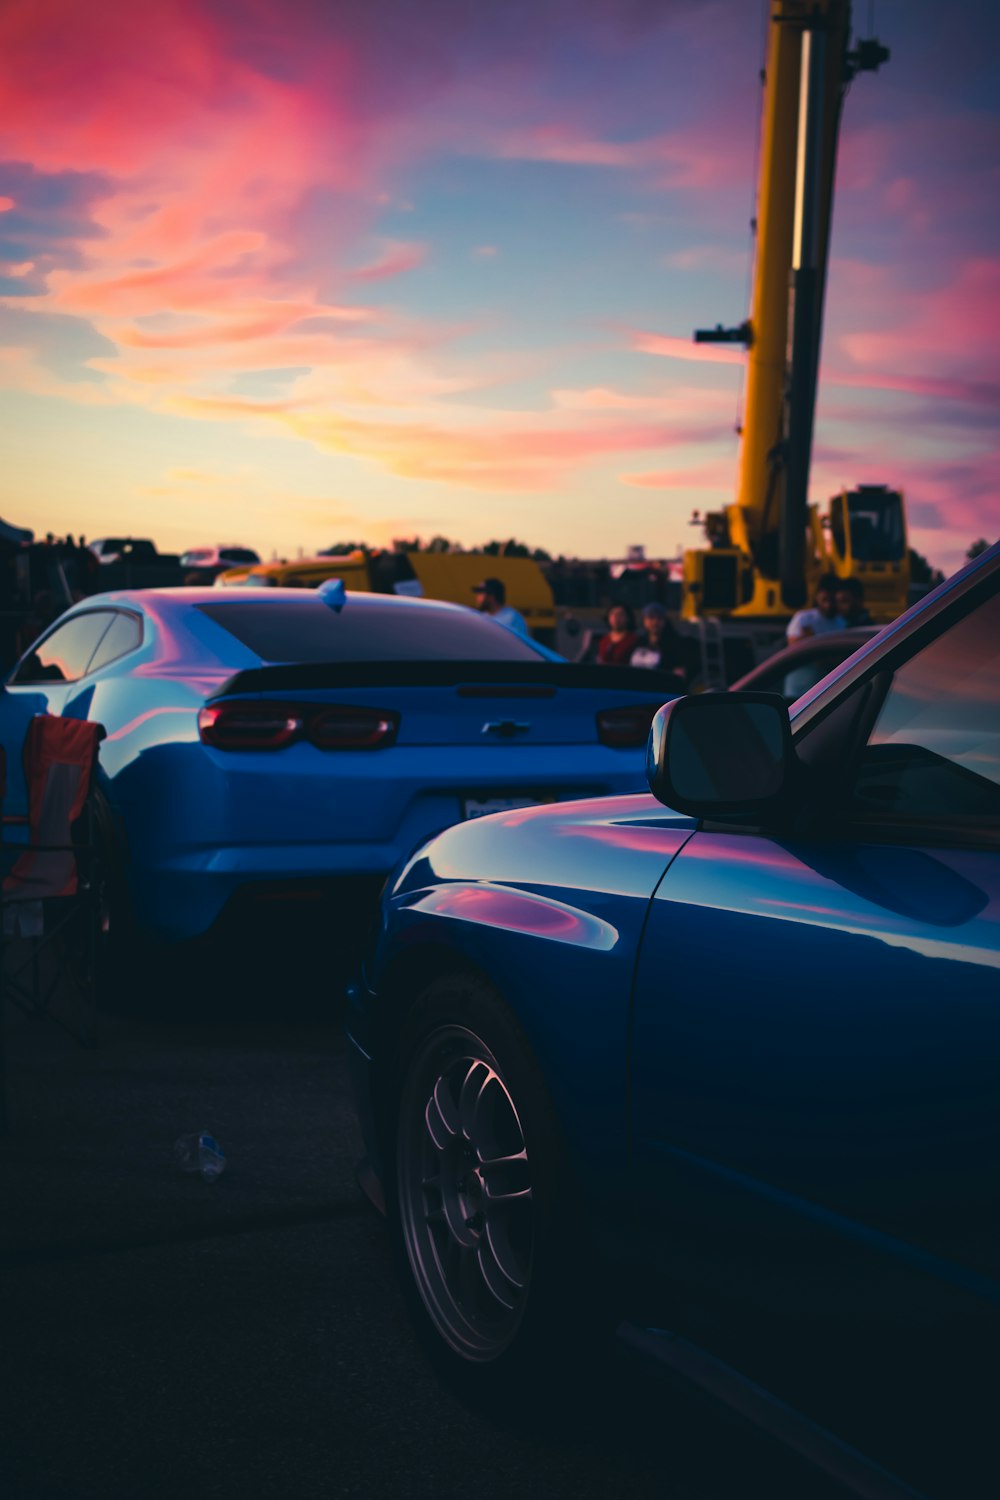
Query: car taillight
(352, 728)
(625, 728)
(249, 726)
(242, 725)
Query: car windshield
(878, 532)
(294, 630)
(238, 555)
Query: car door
(816, 1049)
(48, 680)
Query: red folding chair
(49, 893)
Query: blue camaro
(723, 1062)
(279, 739)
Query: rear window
(238, 555)
(304, 630)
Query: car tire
(493, 1251)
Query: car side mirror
(717, 753)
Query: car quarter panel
(549, 903)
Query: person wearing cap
(657, 647)
(491, 599)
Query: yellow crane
(767, 549)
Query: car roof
(187, 618)
(168, 601)
(916, 618)
(170, 606)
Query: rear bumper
(197, 896)
(185, 873)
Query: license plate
(481, 807)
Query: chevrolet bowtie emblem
(505, 728)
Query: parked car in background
(722, 1061)
(133, 563)
(271, 739)
(795, 669)
(204, 564)
(112, 549)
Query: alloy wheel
(465, 1193)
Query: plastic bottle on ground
(200, 1152)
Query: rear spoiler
(495, 679)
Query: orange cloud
(499, 453)
(604, 398)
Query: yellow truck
(432, 575)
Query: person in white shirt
(491, 599)
(822, 618)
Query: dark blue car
(720, 1065)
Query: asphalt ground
(165, 1336)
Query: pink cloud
(949, 328)
(557, 143)
(699, 159)
(933, 167)
(167, 83)
(703, 258)
(667, 346)
(393, 261)
(971, 392)
(718, 477)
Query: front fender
(560, 954)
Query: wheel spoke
(469, 1281)
(507, 1258)
(505, 1178)
(476, 1082)
(440, 1116)
(503, 1286)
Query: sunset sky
(291, 273)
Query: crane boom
(767, 546)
